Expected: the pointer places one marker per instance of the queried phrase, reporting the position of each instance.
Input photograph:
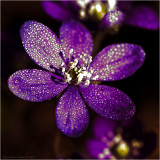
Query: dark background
(28, 129)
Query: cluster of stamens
(118, 147)
(77, 71)
(95, 9)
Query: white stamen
(98, 7)
(112, 5)
(62, 64)
(82, 13)
(101, 155)
(77, 71)
(74, 63)
(63, 69)
(106, 151)
(83, 3)
(80, 77)
(87, 82)
(89, 75)
(90, 59)
(91, 71)
(95, 77)
(71, 51)
(68, 77)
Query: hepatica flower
(70, 68)
(120, 140)
(135, 15)
(103, 14)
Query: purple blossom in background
(120, 140)
(70, 68)
(106, 13)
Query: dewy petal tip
(34, 85)
(108, 102)
(142, 16)
(57, 11)
(112, 18)
(71, 113)
(118, 61)
(74, 36)
(41, 44)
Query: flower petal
(112, 18)
(104, 128)
(71, 113)
(118, 61)
(34, 85)
(133, 126)
(56, 10)
(95, 148)
(143, 16)
(108, 102)
(76, 37)
(41, 44)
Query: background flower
(109, 13)
(29, 129)
(120, 140)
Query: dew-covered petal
(34, 85)
(112, 18)
(118, 61)
(142, 16)
(41, 44)
(56, 10)
(104, 128)
(75, 39)
(108, 102)
(71, 113)
(95, 147)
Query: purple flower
(107, 13)
(70, 68)
(120, 140)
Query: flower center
(77, 71)
(118, 148)
(122, 149)
(95, 9)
